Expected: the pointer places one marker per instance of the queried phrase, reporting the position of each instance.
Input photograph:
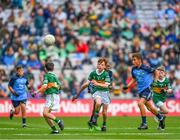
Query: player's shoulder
(93, 72)
(133, 68)
(167, 80)
(14, 77)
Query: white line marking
(93, 134)
(82, 128)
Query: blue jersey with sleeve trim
(19, 86)
(143, 76)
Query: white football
(49, 39)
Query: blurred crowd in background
(86, 30)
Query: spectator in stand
(3, 91)
(3, 75)
(94, 25)
(9, 57)
(39, 22)
(81, 47)
(33, 62)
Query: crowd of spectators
(85, 31)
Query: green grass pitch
(76, 128)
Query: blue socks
(144, 119)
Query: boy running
(51, 86)
(161, 87)
(100, 81)
(143, 76)
(90, 90)
(18, 88)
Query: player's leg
(90, 121)
(15, 110)
(52, 125)
(94, 103)
(141, 105)
(104, 113)
(52, 103)
(23, 111)
(96, 109)
(153, 110)
(163, 109)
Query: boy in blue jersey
(143, 76)
(18, 88)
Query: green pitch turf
(76, 128)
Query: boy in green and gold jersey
(51, 88)
(100, 94)
(161, 88)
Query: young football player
(51, 88)
(161, 88)
(18, 85)
(143, 76)
(100, 86)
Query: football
(49, 39)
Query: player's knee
(98, 101)
(44, 114)
(140, 104)
(104, 113)
(16, 111)
(166, 112)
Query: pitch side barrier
(83, 108)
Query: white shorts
(53, 101)
(104, 95)
(159, 104)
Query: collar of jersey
(162, 79)
(98, 72)
(51, 72)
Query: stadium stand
(84, 31)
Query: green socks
(53, 128)
(57, 120)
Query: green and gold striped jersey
(52, 82)
(158, 86)
(101, 78)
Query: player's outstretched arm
(42, 89)
(85, 85)
(125, 87)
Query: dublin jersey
(101, 78)
(19, 86)
(52, 82)
(143, 76)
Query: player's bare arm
(85, 85)
(105, 85)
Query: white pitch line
(93, 134)
(82, 128)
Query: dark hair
(18, 67)
(137, 55)
(49, 66)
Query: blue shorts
(146, 94)
(17, 103)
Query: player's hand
(125, 87)
(15, 94)
(170, 91)
(33, 94)
(74, 98)
(94, 82)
